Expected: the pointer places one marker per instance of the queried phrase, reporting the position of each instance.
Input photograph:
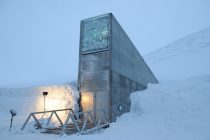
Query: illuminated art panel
(95, 34)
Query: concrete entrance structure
(110, 67)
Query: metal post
(65, 124)
(26, 122)
(94, 122)
(85, 122)
(75, 123)
(48, 121)
(11, 124)
(39, 125)
(44, 94)
(58, 118)
(44, 104)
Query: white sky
(39, 39)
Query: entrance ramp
(75, 123)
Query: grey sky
(39, 39)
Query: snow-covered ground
(183, 58)
(169, 110)
(177, 108)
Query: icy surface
(27, 100)
(186, 57)
(177, 108)
(169, 110)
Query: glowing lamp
(87, 101)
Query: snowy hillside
(167, 111)
(183, 58)
(177, 108)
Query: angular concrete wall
(110, 67)
(129, 72)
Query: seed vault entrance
(110, 67)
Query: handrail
(87, 115)
(53, 110)
(48, 121)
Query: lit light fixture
(44, 95)
(85, 98)
(87, 101)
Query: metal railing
(49, 118)
(80, 123)
(86, 116)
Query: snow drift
(170, 110)
(183, 58)
(177, 108)
(27, 100)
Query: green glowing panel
(95, 34)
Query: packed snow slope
(177, 108)
(183, 58)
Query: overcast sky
(39, 39)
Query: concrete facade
(110, 67)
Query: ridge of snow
(182, 58)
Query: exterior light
(44, 95)
(87, 101)
(13, 113)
